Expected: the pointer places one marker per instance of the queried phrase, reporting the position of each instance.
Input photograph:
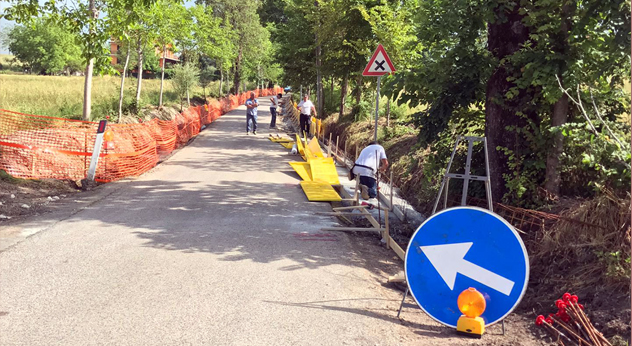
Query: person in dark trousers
(273, 110)
(306, 107)
(251, 113)
(366, 167)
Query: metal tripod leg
(401, 306)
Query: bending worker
(366, 167)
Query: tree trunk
(560, 110)
(120, 108)
(358, 91)
(505, 37)
(162, 73)
(343, 93)
(560, 116)
(331, 89)
(228, 81)
(87, 86)
(221, 81)
(237, 67)
(140, 73)
(320, 102)
(319, 82)
(87, 91)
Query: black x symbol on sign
(380, 65)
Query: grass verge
(62, 96)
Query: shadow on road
(387, 315)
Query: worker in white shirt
(366, 166)
(306, 107)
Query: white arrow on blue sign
(466, 247)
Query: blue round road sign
(466, 247)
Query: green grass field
(62, 96)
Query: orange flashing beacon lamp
(472, 304)
(108, 137)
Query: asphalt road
(216, 246)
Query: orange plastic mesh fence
(38, 147)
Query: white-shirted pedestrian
(274, 102)
(306, 107)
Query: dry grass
(586, 252)
(594, 237)
(63, 96)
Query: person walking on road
(251, 113)
(366, 167)
(273, 110)
(306, 107)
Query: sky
(4, 24)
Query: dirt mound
(20, 197)
(586, 252)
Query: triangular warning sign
(380, 64)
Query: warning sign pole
(377, 106)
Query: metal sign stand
(466, 176)
(445, 184)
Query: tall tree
(45, 47)
(579, 43)
(170, 18)
(244, 20)
(120, 23)
(214, 38)
(145, 32)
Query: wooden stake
(338, 214)
(391, 188)
(590, 329)
(387, 232)
(356, 193)
(563, 325)
(329, 146)
(351, 207)
(597, 333)
(559, 333)
(585, 324)
(352, 229)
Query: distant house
(170, 58)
